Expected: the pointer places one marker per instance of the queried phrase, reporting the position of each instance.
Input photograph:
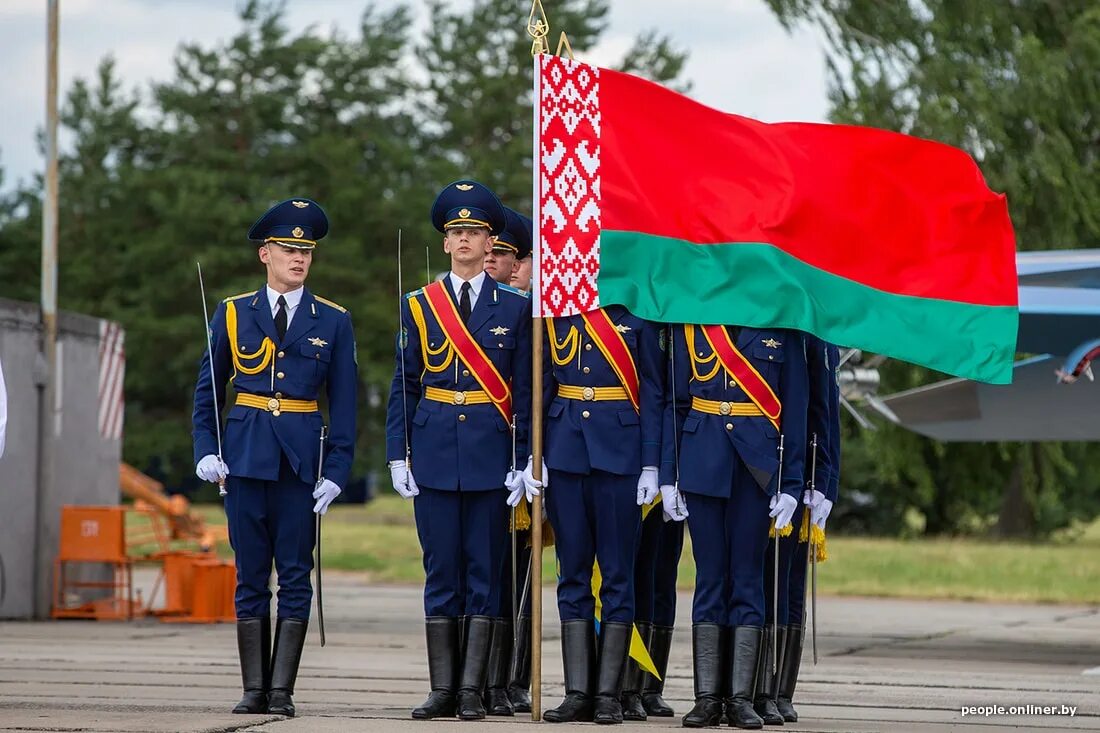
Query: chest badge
(499, 330)
(319, 342)
(772, 343)
(622, 328)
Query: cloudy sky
(741, 59)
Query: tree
(1018, 86)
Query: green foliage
(369, 124)
(1018, 86)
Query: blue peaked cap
(468, 203)
(516, 236)
(295, 222)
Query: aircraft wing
(1056, 320)
(1033, 408)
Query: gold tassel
(523, 517)
(785, 532)
(817, 536)
(804, 530)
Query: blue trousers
(729, 537)
(464, 536)
(523, 563)
(655, 569)
(595, 517)
(272, 521)
(796, 578)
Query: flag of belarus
(685, 214)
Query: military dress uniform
(604, 396)
(456, 389)
(509, 676)
(271, 445)
(823, 427)
(733, 391)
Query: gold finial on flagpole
(563, 42)
(538, 27)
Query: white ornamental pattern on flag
(112, 371)
(567, 186)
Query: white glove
(647, 485)
(783, 507)
(325, 493)
(212, 469)
(820, 513)
(528, 485)
(673, 504)
(513, 481)
(402, 478)
(812, 498)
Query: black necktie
(464, 303)
(280, 317)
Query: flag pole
(538, 27)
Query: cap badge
(463, 213)
(464, 186)
(297, 232)
(300, 204)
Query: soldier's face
(467, 245)
(500, 264)
(521, 276)
(287, 267)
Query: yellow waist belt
(591, 394)
(714, 407)
(275, 405)
(470, 397)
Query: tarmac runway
(884, 665)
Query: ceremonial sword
(213, 383)
(811, 558)
(317, 561)
(775, 565)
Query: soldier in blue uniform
(735, 391)
(823, 424)
(604, 392)
(463, 374)
(278, 346)
(509, 676)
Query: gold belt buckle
(588, 393)
(725, 408)
(273, 407)
(460, 398)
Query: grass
(380, 540)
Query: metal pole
(536, 521)
(48, 415)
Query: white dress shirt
(293, 298)
(475, 287)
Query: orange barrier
(93, 536)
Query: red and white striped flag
(112, 370)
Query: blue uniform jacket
(709, 444)
(824, 406)
(318, 348)
(607, 435)
(833, 362)
(461, 447)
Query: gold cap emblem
(300, 204)
(297, 232)
(464, 187)
(463, 213)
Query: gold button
(586, 370)
(282, 354)
(733, 383)
(588, 347)
(589, 395)
(729, 426)
(242, 349)
(276, 413)
(585, 414)
(724, 408)
(273, 404)
(278, 395)
(460, 399)
(500, 345)
(280, 375)
(317, 356)
(465, 372)
(770, 357)
(700, 353)
(462, 418)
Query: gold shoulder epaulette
(327, 302)
(239, 296)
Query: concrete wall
(85, 466)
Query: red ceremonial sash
(615, 350)
(468, 350)
(744, 373)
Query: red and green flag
(684, 214)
